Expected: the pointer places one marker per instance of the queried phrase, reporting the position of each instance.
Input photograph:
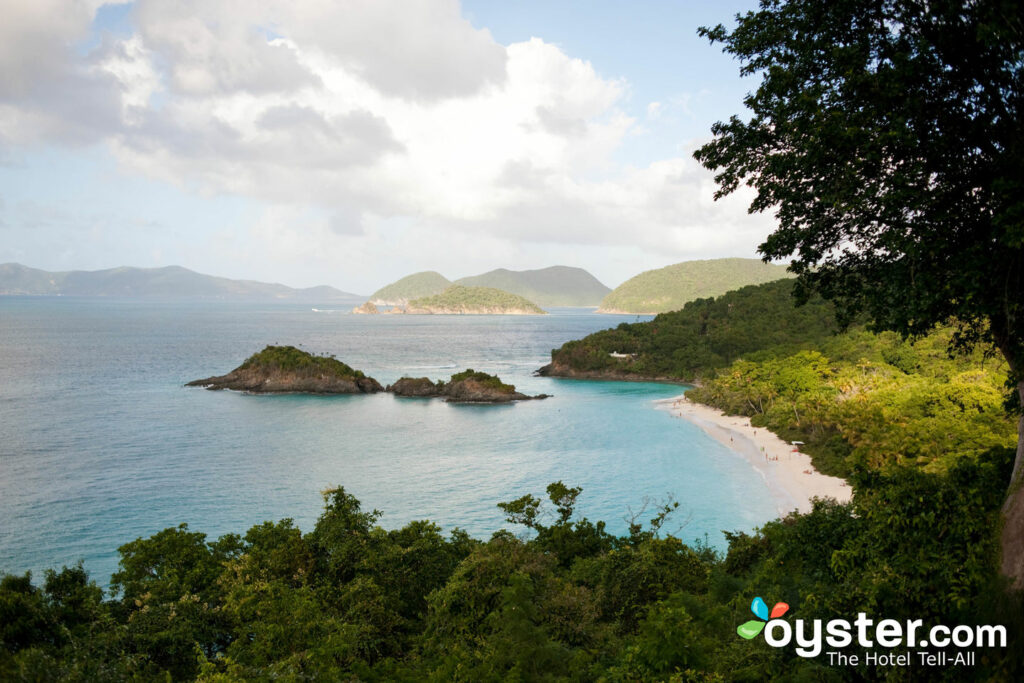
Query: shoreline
(789, 475)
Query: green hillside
(410, 287)
(554, 286)
(458, 299)
(671, 287)
(706, 334)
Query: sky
(352, 142)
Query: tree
(886, 135)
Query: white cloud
(346, 116)
(35, 41)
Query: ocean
(100, 442)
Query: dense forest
(704, 335)
(870, 400)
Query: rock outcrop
(420, 387)
(464, 387)
(369, 308)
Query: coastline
(789, 475)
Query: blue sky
(352, 143)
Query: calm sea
(100, 443)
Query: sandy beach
(790, 477)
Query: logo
(902, 639)
(751, 628)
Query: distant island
(672, 287)
(468, 386)
(553, 286)
(286, 369)
(171, 282)
(459, 300)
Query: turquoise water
(100, 443)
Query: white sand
(790, 477)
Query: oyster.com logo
(751, 628)
(905, 641)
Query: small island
(460, 300)
(288, 370)
(468, 386)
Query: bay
(100, 443)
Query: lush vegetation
(865, 400)
(350, 600)
(672, 287)
(458, 299)
(298, 362)
(554, 286)
(884, 138)
(415, 286)
(706, 334)
(482, 378)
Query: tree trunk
(1012, 540)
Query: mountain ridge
(167, 282)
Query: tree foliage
(887, 138)
(872, 400)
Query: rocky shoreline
(258, 382)
(560, 370)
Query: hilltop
(415, 286)
(554, 286)
(671, 287)
(170, 282)
(460, 300)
